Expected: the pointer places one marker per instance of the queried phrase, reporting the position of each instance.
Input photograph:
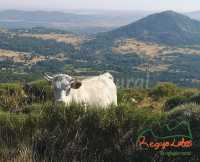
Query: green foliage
(39, 91)
(10, 76)
(195, 99)
(39, 30)
(183, 109)
(16, 129)
(128, 95)
(164, 90)
(55, 132)
(12, 96)
(188, 112)
(33, 45)
(87, 134)
(62, 133)
(175, 101)
(15, 96)
(189, 92)
(179, 100)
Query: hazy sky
(178, 5)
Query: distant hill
(167, 27)
(41, 16)
(50, 19)
(166, 43)
(194, 15)
(72, 20)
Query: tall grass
(75, 133)
(46, 131)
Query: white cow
(95, 91)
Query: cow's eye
(72, 80)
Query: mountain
(194, 15)
(44, 16)
(75, 21)
(166, 43)
(167, 27)
(50, 19)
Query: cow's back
(96, 91)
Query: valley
(131, 50)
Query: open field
(150, 49)
(20, 57)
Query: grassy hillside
(34, 128)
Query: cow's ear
(76, 84)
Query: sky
(150, 5)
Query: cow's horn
(48, 77)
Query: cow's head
(62, 84)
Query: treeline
(16, 42)
(39, 30)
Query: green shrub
(16, 129)
(188, 112)
(127, 95)
(175, 101)
(164, 90)
(12, 96)
(195, 99)
(91, 134)
(189, 92)
(39, 91)
(179, 100)
(188, 107)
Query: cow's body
(98, 91)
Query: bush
(68, 133)
(92, 134)
(175, 101)
(127, 95)
(189, 92)
(12, 96)
(15, 129)
(179, 100)
(164, 90)
(189, 112)
(195, 99)
(39, 91)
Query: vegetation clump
(164, 90)
(12, 96)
